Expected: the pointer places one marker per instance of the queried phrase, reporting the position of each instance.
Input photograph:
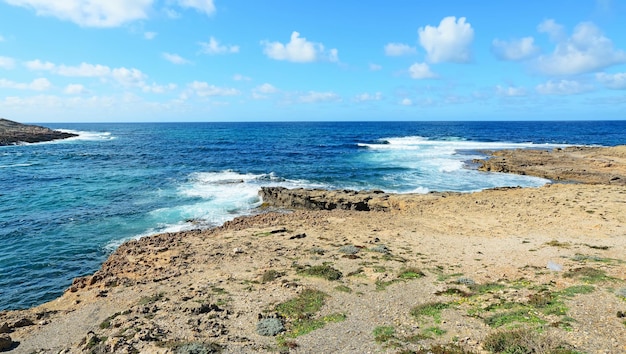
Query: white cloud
(298, 50)
(205, 6)
(1, 38)
(449, 42)
(83, 70)
(367, 97)
(375, 67)
(563, 87)
(406, 102)
(38, 65)
(89, 13)
(7, 63)
(213, 46)
(75, 89)
(316, 97)
(553, 29)
(612, 81)
(586, 50)
(516, 49)
(175, 59)
(203, 89)
(266, 89)
(154, 88)
(239, 77)
(399, 49)
(421, 71)
(511, 91)
(40, 84)
(129, 77)
(150, 35)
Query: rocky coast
(543, 269)
(13, 133)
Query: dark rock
(5, 328)
(12, 133)
(24, 322)
(6, 342)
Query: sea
(66, 205)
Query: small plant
(431, 309)
(270, 327)
(318, 250)
(524, 340)
(410, 273)
(555, 243)
(308, 302)
(465, 281)
(271, 275)
(486, 288)
(381, 249)
(436, 331)
(197, 348)
(107, 322)
(322, 271)
(621, 293)
(453, 292)
(577, 289)
(349, 249)
(588, 274)
(147, 300)
(523, 315)
(383, 334)
(343, 288)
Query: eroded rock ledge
(590, 165)
(12, 133)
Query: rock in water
(12, 133)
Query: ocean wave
(87, 135)
(17, 165)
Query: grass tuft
(321, 271)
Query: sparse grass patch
(382, 285)
(523, 315)
(587, 274)
(486, 288)
(107, 322)
(451, 348)
(383, 334)
(603, 248)
(147, 300)
(349, 249)
(410, 273)
(434, 331)
(556, 243)
(524, 340)
(271, 275)
(343, 288)
(453, 292)
(576, 290)
(307, 303)
(321, 271)
(430, 309)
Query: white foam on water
(17, 165)
(86, 135)
(440, 164)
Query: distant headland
(12, 133)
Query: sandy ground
(484, 256)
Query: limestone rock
(12, 133)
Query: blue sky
(243, 60)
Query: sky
(281, 60)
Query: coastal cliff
(359, 272)
(12, 133)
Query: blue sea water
(65, 206)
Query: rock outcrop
(592, 165)
(12, 133)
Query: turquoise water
(64, 206)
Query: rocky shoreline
(368, 272)
(13, 133)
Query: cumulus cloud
(586, 50)
(213, 47)
(38, 65)
(421, 71)
(7, 63)
(449, 42)
(203, 89)
(511, 91)
(239, 77)
(399, 49)
(175, 59)
(41, 84)
(406, 102)
(553, 29)
(316, 97)
(299, 50)
(563, 87)
(516, 49)
(89, 13)
(262, 91)
(204, 6)
(75, 89)
(612, 81)
(367, 97)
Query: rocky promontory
(13, 133)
